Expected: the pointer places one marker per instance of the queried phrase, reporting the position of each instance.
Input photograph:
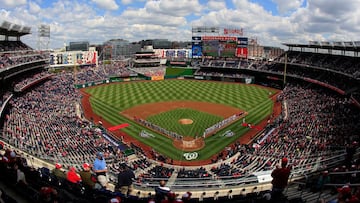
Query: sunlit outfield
(109, 100)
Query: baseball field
(184, 107)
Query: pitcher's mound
(186, 121)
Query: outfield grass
(108, 100)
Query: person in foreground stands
(58, 172)
(161, 191)
(280, 177)
(125, 179)
(345, 196)
(171, 198)
(86, 176)
(100, 169)
(72, 176)
(48, 194)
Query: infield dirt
(145, 110)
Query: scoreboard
(219, 46)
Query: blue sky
(272, 22)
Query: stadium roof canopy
(13, 30)
(343, 46)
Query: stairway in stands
(295, 192)
(172, 179)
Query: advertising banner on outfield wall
(158, 77)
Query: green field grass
(109, 100)
(170, 121)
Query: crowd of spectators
(158, 171)
(45, 122)
(228, 63)
(13, 46)
(344, 64)
(151, 71)
(10, 59)
(29, 80)
(102, 72)
(203, 72)
(193, 173)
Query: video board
(219, 46)
(196, 47)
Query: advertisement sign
(242, 52)
(196, 50)
(242, 41)
(157, 77)
(72, 58)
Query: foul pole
(285, 65)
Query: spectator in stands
(171, 198)
(20, 176)
(48, 194)
(57, 172)
(72, 176)
(125, 179)
(115, 200)
(161, 191)
(323, 179)
(345, 195)
(186, 197)
(100, 169)
(280, 179)
(87, 177)
(350, 151)
(10, 157)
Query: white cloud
(106, 4)
(34, 7)
(216, 5)
(285, 6)
(174, 8)
(142, 16)
(126, 2)
(12, 3)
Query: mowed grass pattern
(170, 120)
(109, 100)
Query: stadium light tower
(43, 36)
